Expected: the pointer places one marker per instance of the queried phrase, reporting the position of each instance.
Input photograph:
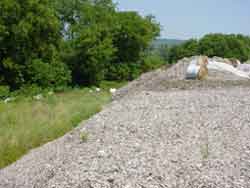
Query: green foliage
(90, 57)
(60, 42)
(26, 123)
(46, 75)
(29, 30)
(135, 71)
(118, 72)
(4, 92)
(106, 85)
(104, 42)
(133, 34)
(163, 52)
(226, 46)
(152, 62)
(28, 90)
(187, 49)
(84, 136)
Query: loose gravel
(167, 78)
(192, 136)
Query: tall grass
(28, 123)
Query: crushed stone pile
(175, 77)
(187, 139)
(160, 130)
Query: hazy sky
(184, 19)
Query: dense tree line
(53, 43)
(221, 45)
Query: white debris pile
(244, 68)
(9, 99)
(97, 89)
(229, 73)
(228, 68)
(112, 90)
(197, 67)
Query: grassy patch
(27, 123)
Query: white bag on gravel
(214, 65)
(197, 68)
(244, 68)
(192, 70)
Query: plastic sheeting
(214, 65)
(192, 70)
(244, 68)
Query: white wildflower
(50, 93)
(7, 100)
(112, 90)
(38, 97)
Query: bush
(96, 39)
(118, 72)
(28, 30)
(134, 71)
(28, 90)
(46, 75)
(225, 46)
(4, 92)
(151, 62)
(123, 71)
(187, 49)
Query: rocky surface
(190, 138)
(165, 133)
(164, 78)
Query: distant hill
(170, 42)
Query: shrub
(28, 30)
(29, 90)
(48, 75)
(248, 62)
(84, 136)
(123, 71)
(134, 71)
(118, 72)
(187, 49)
(151, 62)
(4, 92)
(222, 45)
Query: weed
(27, 123)
(84, 136)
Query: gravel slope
(197, 138)
(165, 77)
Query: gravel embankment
(174, 139)
(174, 78)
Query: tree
(43, 42)
(187, 49)
(133, 34)
(101, 38)
(90, 42)
(227, 46)
(29, 30)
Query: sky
(184, 19)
